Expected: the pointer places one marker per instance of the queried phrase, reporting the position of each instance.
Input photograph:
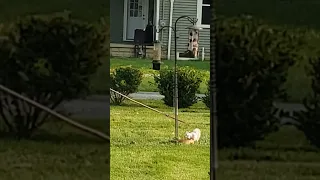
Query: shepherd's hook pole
(176, 98)
(176, 92)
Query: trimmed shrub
(125, 80)
(252, 63)
(189, 81)
(206, 99)
(48, 59)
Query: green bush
(125, 80)
(206, 99)
(48, 59)
(308, 120)
(252, 63)
(189, 81)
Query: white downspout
(162, 5)
(170, 29)
(157, 19)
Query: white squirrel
(194, 135)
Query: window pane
(206, 15)
(206, 1)
(140, 11)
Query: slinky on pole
(57, 115)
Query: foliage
(252, 62)
(206, 99)
(125, 80)
(308, 120)
(189, 80)
(48, 59)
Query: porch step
(127, 50)
(119, 45)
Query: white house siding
(181, 8)
(116, 21)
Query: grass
(57, 151)
(145, 65)
(140, 149)
(297, 85)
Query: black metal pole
(176, 98)
(213, 101)
(176, 93)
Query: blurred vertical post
(213, 98)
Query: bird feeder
(156, 62)
(193, 41)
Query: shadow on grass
(278, 146)
(135, 105)
(160, 104)
(305, 154)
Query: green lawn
(140, 149)
(57, 151)
(145, 65)
(297, 85)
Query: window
(135, 8)
(204, 13)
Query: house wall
(116, 21)
(181, 8)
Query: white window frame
(199, 15)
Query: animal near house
(136, 25)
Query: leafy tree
(252, 63)
(48, 59)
